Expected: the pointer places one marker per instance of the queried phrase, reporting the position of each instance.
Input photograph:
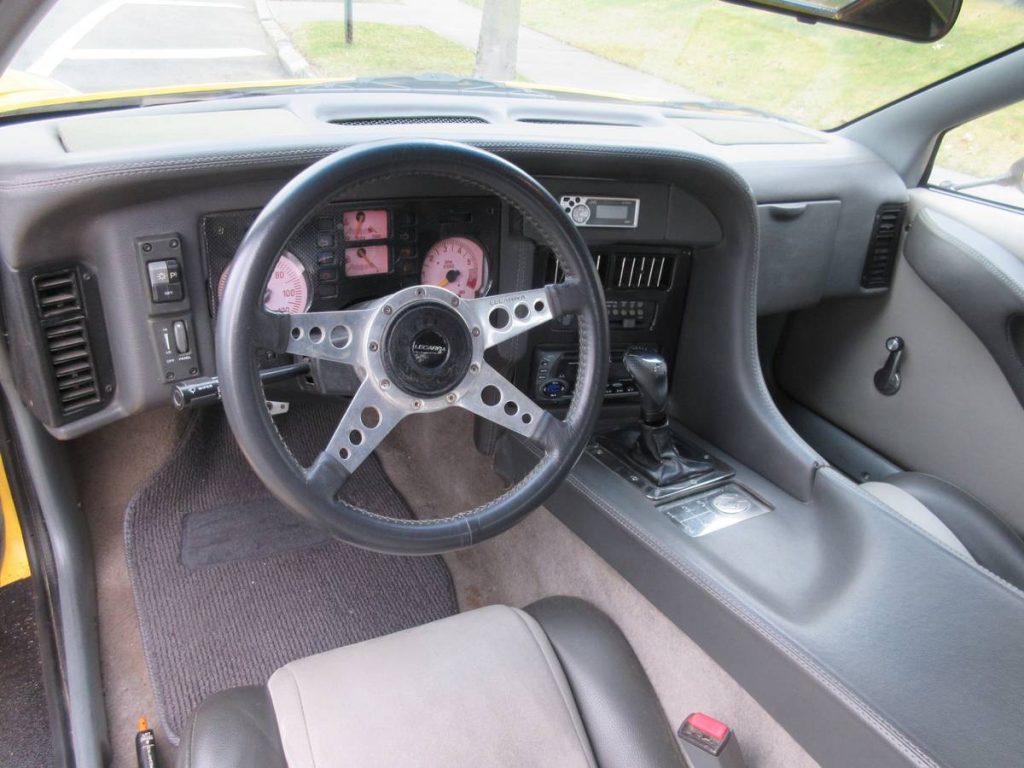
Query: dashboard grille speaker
(642, 270)
(885, 240)
(66, 337)
(412, 120)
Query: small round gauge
(458, 264)
(287, 291)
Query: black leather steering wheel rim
(243, 327)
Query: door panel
(956, 414)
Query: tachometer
(458, 264)
(287, 291)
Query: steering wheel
(419, 350)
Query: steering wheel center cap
(430, 349)
(427, 349)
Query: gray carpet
(229, 585)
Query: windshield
(675, 50)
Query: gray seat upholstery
(556, 684)
(957, 519)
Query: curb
(293, 61)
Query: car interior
(436, 427)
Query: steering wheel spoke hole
(340, 336)
(490, 395)
(499, 318)
(370, 417)
(316, 334)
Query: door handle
(887, 378)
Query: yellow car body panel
(14, 565)
(22, 91)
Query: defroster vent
(358, 122)
(885, 240)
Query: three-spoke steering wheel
(419, 350)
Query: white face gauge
(458, 264)
(287, 292)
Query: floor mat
(229, 585)
(24, 724)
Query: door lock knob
(887, 378)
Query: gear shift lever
(652, 449)
(650, 372)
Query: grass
(380, 49)
(817, 75)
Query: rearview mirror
(922, 21)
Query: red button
(715, 729)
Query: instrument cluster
(352, 252)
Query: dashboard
(115, 249)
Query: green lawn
(379, 49)
(817, 75)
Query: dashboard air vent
(66, 340)
(57, 293)
(642, 270)
(885, 240)
(411, 120)
(67, 344)
(555, 274)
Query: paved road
(95, 45)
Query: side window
(984, 158)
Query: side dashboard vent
(57, 293)
(882, 249)
(411, 120)
(65, 333)
(642, 270)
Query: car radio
(555, 370)
(621, 212)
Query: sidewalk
(542, 58)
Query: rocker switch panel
(161, 259)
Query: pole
(348, 22)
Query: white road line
(118, 54)
(59, 49)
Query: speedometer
(458, 264)
(287, 290)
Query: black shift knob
(650, 372)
